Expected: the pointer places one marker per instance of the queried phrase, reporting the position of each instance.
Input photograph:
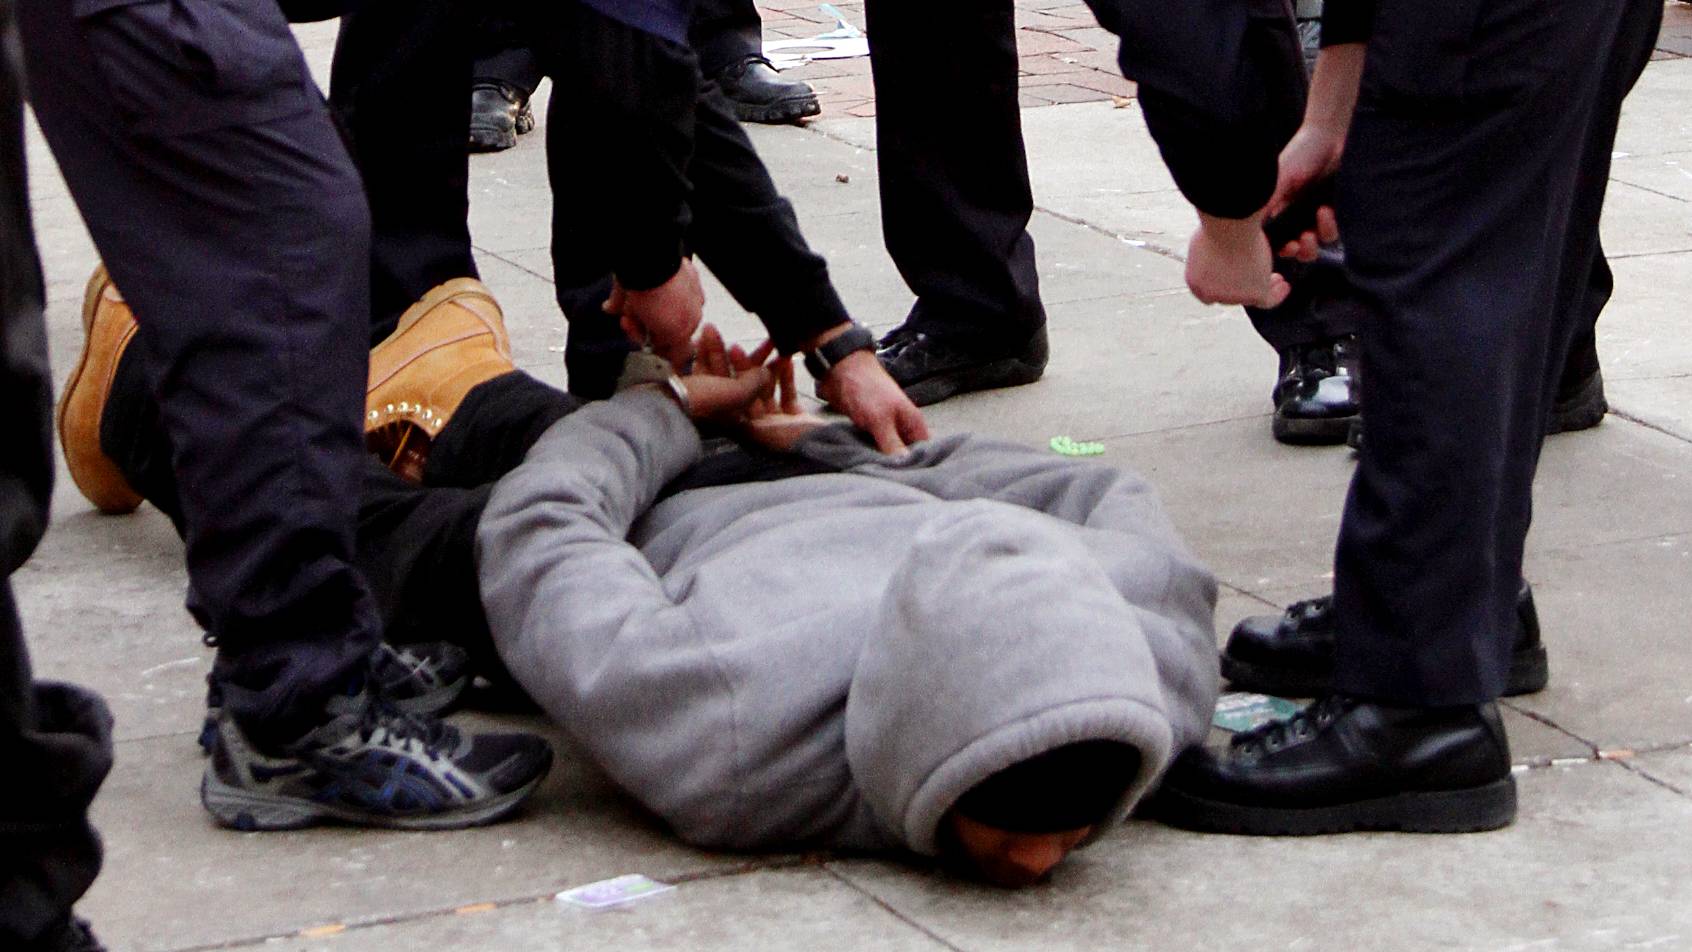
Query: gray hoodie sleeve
(581, 618)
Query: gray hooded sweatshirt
(833, 660)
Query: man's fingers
(762, 352)
(712, 359)
(1308, 247)
(789, 390)
(886, 433)
(912, 426)
(1327, 225)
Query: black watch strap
(822, 360)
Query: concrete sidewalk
(1600, 858)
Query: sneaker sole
(1010, 372)
(1474, 810)
(1530, 671)
(251, 812)
(1300, 431)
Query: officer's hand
(862, 389)
(1312, 154)
(1229, 262)
(667, 314)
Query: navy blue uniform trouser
(227, 210)
(55, 739)
(1469, 200)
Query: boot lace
(1303, 726)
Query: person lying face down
(974, 651)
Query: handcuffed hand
(773, 418)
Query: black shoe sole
(488, 140)
(1530, 671)
(993, 375)
(1321, 431)
(484, 139)
(777, 113)
(1473, 810)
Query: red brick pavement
(1066, 56)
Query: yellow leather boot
(446, 344)
(107, 326)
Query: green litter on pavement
(1069, 447)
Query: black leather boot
(1318, 394)
(932, 368)
(1292, 654)
(1343, 765)
(759, 94)
(1580, 409)
(499, 113)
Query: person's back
(834, 660)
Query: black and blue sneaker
(422, 678)
(371, 765)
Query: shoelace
(1275, 735)
(381, 717)
(1310, 606)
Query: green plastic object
(1069, 447)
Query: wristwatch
(822, 360)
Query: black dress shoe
(932, 368)
(1581, 409)
(759, 94)
(1343, 765)
(1292, 654)
(499, 113)
(1318, 394)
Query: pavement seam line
(549, 279)
(1647, 424)
(888, 907)
(491, 905)
(1650, 777)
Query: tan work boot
(107, 326)
(444, 346)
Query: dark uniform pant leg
(724, 32)
(400, 86)
(955, 196)
(1469, 202)
(224, 204)
(57, 742)
(55, 739)
(503, 54)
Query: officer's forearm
(1333, 89)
